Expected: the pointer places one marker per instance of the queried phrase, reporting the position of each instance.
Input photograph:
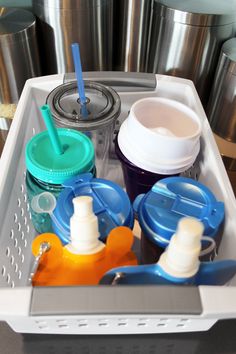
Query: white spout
(84, 231)
(181, 258)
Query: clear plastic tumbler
(96, 118)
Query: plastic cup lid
(169, 132)
(102, 107)
(110, 204)
(45, 165)
(172, 198)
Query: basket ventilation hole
(11, 233)
(161, 324)
(19, 251)
(19, 274)
(7, 251)
(43, 327)
(15, 217)
(61, 321)
(63, 326)
(180, 325)
(18, 202)
(82, 323)
(42, 324)
(184, 320)
(8, 278)
(122, 324)
(3, 271)
(22, 188)
(103, 323)
(142, 324)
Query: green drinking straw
(52, 130)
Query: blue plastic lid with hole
(172, 198)
(111, 205)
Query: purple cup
(159, 138)
(137, 180)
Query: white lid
(84, 231)
(181, 258)
(160, 135)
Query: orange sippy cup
(85, 259)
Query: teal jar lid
(44, 164)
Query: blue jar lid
(172, 198)
(110, 204)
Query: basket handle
(117, 300)
(218, 301)
(131, 80)
(15, 302)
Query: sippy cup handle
(43, 248)
(48, 248)
(120, 240)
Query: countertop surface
(221, 338)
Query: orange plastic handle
(120, 240)
(53, 256)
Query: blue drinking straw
(52, 130)
(78, 72)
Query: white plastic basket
(104, 309)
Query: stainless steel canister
(131, 31)
(19, 57)
(87, 22)
(222, 104)
(186, 38)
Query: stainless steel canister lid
(19, 56)
(14, 23)
(70, 5)
(221, 108)
(102, 107)
(228, 55)
(197, 13)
